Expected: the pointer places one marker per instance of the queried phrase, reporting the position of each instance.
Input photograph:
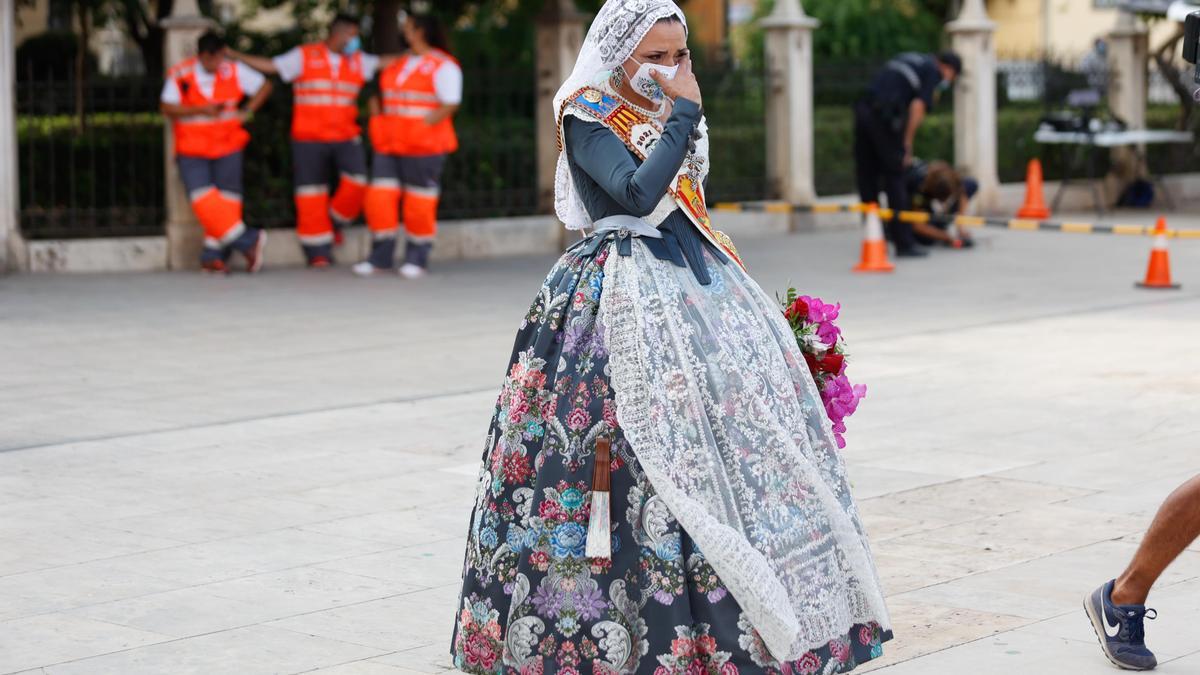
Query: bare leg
(1175, 527)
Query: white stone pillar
(971, 36)
(558, 40)
(11, 246)
(185, 238)
(790, 101)
(1128, 89)
(1128, 49)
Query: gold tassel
(599, 535)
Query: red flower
(550, 510)
(829, 363)
(832, 363)
(516, 468)
(534, 378)
(797, 310)
(809, 663)
(706, 645)
(728, 668)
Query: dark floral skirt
(531, 601)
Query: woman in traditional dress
(660, 490)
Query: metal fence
(105, 177)
(735, 109)
(99, 178)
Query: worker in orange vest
(411, 133)
(201, 98)
(326, 78)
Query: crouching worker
(411, 132)
(201, 97)
(941, 191)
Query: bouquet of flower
(820, 340)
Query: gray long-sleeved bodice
(611, 181)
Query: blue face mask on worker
(352, 45)
(645, 85)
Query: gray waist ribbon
(680, 244)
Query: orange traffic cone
(1035, 203)
(1158, 272)
(874, 248)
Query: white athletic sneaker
(411, 271)
(365, 269)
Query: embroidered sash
(640, 133)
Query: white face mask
(645, 85)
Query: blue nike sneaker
(1120, 629)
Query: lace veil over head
(617, 30)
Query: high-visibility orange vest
(401, 129)
(206, 135)
(325, 103)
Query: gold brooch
(591, 96)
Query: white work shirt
(291, 63)
(447, 81)
(249, 81)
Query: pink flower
(578, 419)
(696, 667)
(517, 411)
(819, 311)
(840, 650)
(841, 400)
(548, 407)
(661, 670)
(865, 635)
(828, 332)
(682, 648)
(728, 668)
(479, 651)
(610, 413)
(518, 398)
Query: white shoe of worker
(365, 269)
(411, 271)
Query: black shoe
(911, 252)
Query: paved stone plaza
(273, 475)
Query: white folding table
(1089, 142)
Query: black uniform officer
(885, 122)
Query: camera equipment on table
(1191, 43)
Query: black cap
(951, 59)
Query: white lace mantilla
(717, 402)
(616, 31)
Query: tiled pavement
(273, 475)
